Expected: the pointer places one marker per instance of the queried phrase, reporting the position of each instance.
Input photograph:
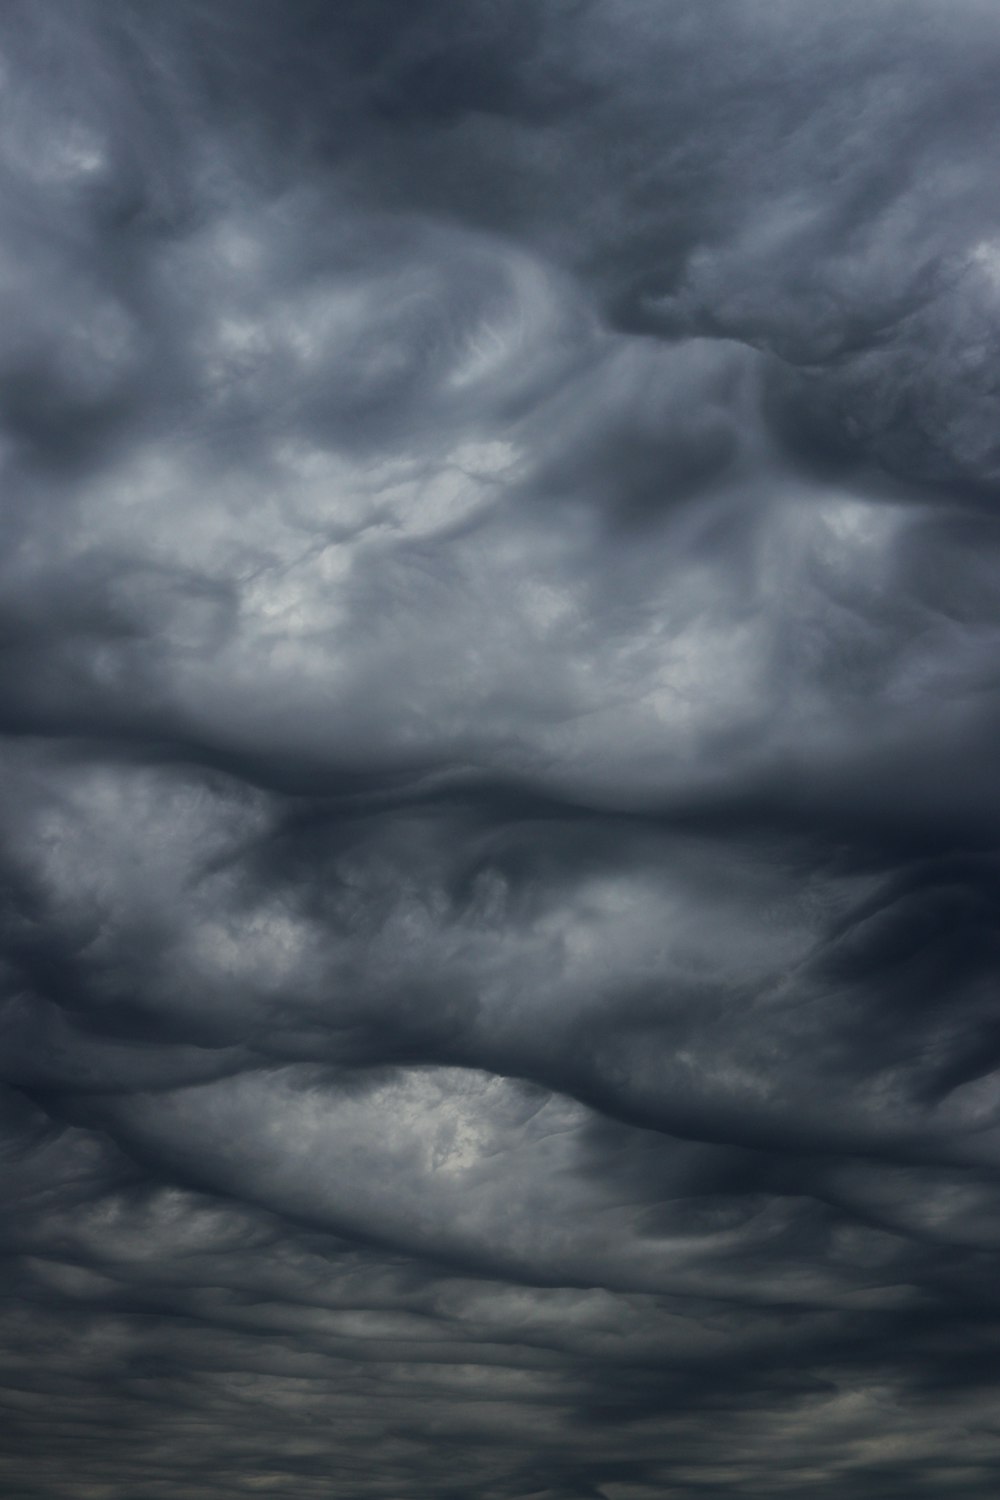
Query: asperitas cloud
(500, 605)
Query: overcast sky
(500, 608)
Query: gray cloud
(498, 708)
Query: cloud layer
(499, 703)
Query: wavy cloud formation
(499, 701)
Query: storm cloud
(500, 832)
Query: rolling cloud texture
(500, 820)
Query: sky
(499, 706)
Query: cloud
(498, 708)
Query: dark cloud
(497, 681)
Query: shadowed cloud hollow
(500, 838)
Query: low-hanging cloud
(500, 833)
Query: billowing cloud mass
(500, 605)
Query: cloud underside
(500, 824)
